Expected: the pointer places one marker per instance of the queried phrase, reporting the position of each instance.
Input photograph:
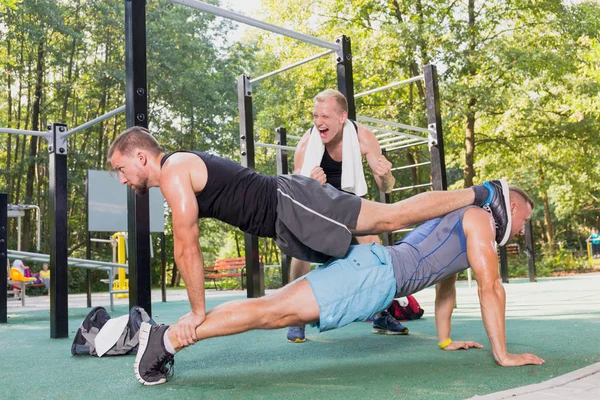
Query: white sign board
(107, 204)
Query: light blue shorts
(354, 288)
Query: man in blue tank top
(308, 220)
(364, 282)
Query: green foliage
(525, 73)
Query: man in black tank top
(297, 211)
(330, 114)
(364, 282)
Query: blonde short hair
(340, 99)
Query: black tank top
(237, 195)
(332, 168)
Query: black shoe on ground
(387, 325)
(153, 363)
(498, 203)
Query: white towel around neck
(353, 176)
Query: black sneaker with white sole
(498, 203)
(153, 363)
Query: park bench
(226, 268)
(512, 249)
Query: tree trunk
(469, 171)
(35, 125)
(470, 132)
(543, 193)
(9, 118)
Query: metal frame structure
(57, 259)
(75, 263)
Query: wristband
(445, 343)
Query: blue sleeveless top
(432, 252)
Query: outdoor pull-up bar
(24, 132)
(394, 124)
(95, 121)
(221, 12)
(291, 66)
(391, 85)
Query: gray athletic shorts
(313, 219)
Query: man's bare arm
(481, 252)
(380, 167)
(445, 298)
(177, 188)
(300, 151)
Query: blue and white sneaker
(387, 325)
(296, 334)
(498, 203)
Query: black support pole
(345, 79)
(253, 271)
(163, 268)
(3, 256)
(136, 102)
(530, 252)
(88, 244)
(282, 169)
(434, 123)
(59, 285)
(503, 265)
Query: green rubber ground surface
(556, 319)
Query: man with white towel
(331, 152)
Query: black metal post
(88, 244)
(59, 284)
(253, 270)
(345, 79)
(163, 268)
(503, 265)
(88, 273)
(386, 237)
(138, 208)
(282, 169)
(434, 123)
(530, 252)
(4, 257)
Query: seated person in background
(44, 276)
(23, 269)
(364, 282)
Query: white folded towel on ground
(353, 176)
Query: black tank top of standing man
(237, 195)
(332, 168)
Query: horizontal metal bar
(398, 139)
(392, 148)
(221, 12)
(291, 66)
(411, 166)
(24, 132)
(95, 121)
(72, 262)
(101, 240)
(294, 137)
(275, 146)
(411, 187)
(391, 85)
(394, 124)
(403, 134)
